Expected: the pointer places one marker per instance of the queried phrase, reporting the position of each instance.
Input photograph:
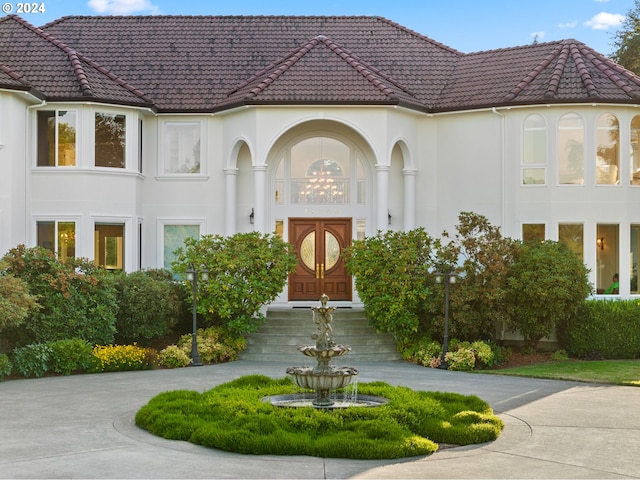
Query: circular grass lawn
(233, 417)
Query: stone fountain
(323, 378)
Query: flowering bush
(173, 357)
(117, 358)
(215, 345)
(461, 359)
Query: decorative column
(259, 203)
(409, 198)
(382, 205)
(230, 200)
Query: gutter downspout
(503, 203)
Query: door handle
(322, 270)
(317, 270)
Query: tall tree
(627, 41)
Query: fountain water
(324, 378)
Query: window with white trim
(58, 237)
(571, 150)
(57, 138)
(181, 147)
(534, 150)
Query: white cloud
(537, 36)
(604, 20)
(568, 24)
(122, 7)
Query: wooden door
(321, 269)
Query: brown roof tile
(207, 63)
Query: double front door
(321, 269)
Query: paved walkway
(82, 427)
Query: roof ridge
(12, 73)
(592, 91)
(531, 76)
(611, 70)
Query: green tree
(391, 271)
(547, 285)
(482, 258)
(77, 298)
(626, 41)
(246, 271)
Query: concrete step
(285, 330)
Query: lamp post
(449, 279)
(192, 276)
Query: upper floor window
(571, 150)
(181, 147)
(635, 161)
(607, 150)
(534, 150)
(110, 130)
(57, 131)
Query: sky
(466, 25)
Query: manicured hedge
(607, 329)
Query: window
(181, 147)
(607, 150)
(635, 257)
(635, 161)
(174, 237)
(57, 237)
(572, 235)
(533, 232)
(109, 246)
(607, 257)
(571, 150)
(57, 138)
(534, 150)
(110, 132)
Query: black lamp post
(449, 279)
(192, 276)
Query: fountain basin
(331, 379)
(301, 400)
(333, 351)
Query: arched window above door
(320, 171)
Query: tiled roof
(209, 63)
(56, 70)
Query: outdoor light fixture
(449, 279)
(252, 217)
(389, 216)
(192, 276)
(600, 243)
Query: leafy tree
(15, 301)
(547, 284)
(482, 258)
(627, 41)
(77, 298)
(391, 271)
(246, 271)
(150, 304)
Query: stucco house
(121, 136)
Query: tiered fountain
(324, 379)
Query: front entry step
(278, 339)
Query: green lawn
(617, 372)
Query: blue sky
(466, 25)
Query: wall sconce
(389, 216)
(252, 217)
(600, 243)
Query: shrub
(462, 359)
(150, 303)
(117, 358)
(32, 360)
(246, 271)
(77, 298)
(70, 355)
(173, 357)
(602, 329)
(15, 301)
(5, 366)
(547, 285)
(215, 345)
(422, 353)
